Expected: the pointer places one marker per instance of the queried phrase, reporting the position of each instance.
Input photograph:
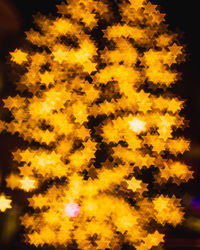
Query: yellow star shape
(18, 56)
(4, 203)
(137, 125)
(60, 55)
(12, 181)
(27, 183)
(47, 78)
(25, 170)
(175, 49)
(136, 4)
(134, 184)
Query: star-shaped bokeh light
(27, 184)
(4, 203)
(96, 126)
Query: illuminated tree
(95, 107)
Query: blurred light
(72, 209)
(137, 125)
(4, 203)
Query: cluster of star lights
(103, 140)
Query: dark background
(182, 17)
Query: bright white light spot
(137, 125)
(72, 209)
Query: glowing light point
(27, 184)
(4, 203)
(72, 209)
(137, 125)
(18, 56)
(60, 55)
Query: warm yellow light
(27, 184)
(87, 117)
(60, 55)
(13, 181)
(18, 56)
(134, 184)
(137, 125)
(4, 203)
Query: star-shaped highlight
(137, 125)
(27, 184)
(18, 56)
(4, 203)
(60, 55)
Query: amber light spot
(27, 184)
(137, 125)
(18, 56)
(90, 108)
(4, 203)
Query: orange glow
(18, 56)
(94, 126)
